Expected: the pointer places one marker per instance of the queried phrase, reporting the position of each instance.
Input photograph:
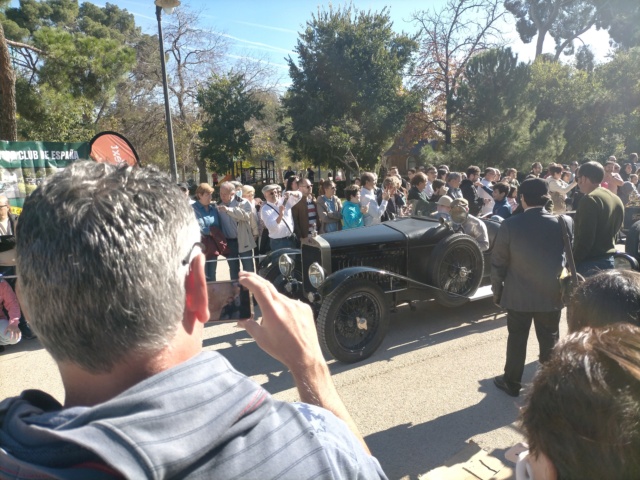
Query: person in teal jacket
(352, 212)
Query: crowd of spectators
(581, 412)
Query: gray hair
(228, 186)
(453, 176)
(100, 253)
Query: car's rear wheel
(456, 265)
(353, 320)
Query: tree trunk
(540, 42)
(8, 122)
(202, 167)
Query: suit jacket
(300, 214)
(526, 261)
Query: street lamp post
(167, 6)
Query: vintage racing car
(354, 278)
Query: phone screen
(229, 301)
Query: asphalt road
(418, 400)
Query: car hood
(394, 231)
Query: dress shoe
(500, 382)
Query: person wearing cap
(526, 261)
(276, 216)
(443, 208)
(472, 226)
(599, 216)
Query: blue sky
(268, 30)
(258, 28)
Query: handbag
(215, 244)
(569, 278)
(265, 242)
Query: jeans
(278, 243)
(588, 268)
(547, 325)
(234, 258)
(210, 270)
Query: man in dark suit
(527, 258)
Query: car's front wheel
(353, 320)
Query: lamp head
(167, 5)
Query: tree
(227, 105)
(347, 101)
(621, 19)
(563, 20)
(449, 38)
(621, 98)
(65, 53)
(493, 120)
(8, 122)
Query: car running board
(481, 293)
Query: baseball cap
(444, 201)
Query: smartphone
(229, 301)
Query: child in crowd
(352, 212)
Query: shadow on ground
(429, 324)
(430, 444)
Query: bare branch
(25, 46)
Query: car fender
(625, 261)
(336, 279)
(271, 259)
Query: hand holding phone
(287, 331)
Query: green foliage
(346, 101)
(74, 58)
(490, 109)
(228, 105)
(44, 113)
(563, 20)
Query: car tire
(337, 323)
(456, 265)
(632, 240)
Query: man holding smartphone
(111, 275)
(277, 218)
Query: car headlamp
(316, 275)
(285, 263)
